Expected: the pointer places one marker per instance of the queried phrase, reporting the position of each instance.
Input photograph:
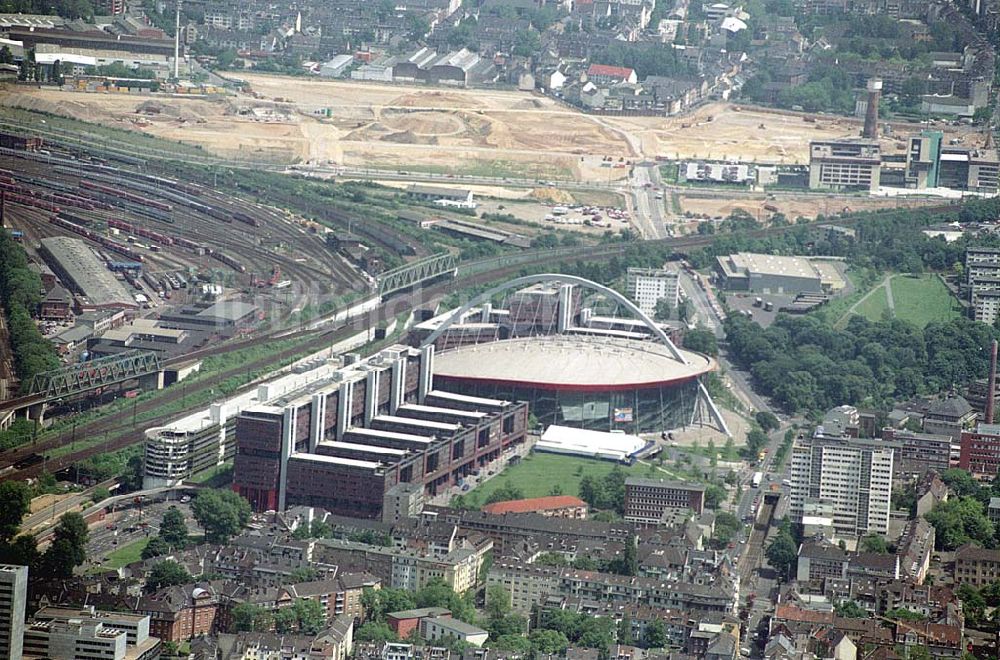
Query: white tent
(594, 444)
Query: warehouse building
(769, 273)
(461, 68)
(845, 165)
(343, 441)
(79, 269)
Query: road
(749, 551)
(649, 212)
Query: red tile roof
(534, 504)
(619, 72)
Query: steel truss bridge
(428, 268)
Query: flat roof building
(344, 440)
(851, 474)
(770, 273)
(648, 286)
(646, 500)
(80, 269)
(13, 595)
(845, 165)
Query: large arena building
(580, 354)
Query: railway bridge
(76, 379)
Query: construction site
(474, 132)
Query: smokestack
(991, 384)
(871, 113)
(177, 43)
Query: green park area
(916, 299)
(537, 475)
(126, 554)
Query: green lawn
(923, 299)
(874, 306)
(539, 472)
(126, 554)
(838, 306)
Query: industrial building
(852, 476)
(980, 453)
(648, 286)
(435, 193)
(769, 273)
(342, 441)
(462, 68)
(845, 165)
(78, 268)
(574, 366)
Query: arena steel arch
(711, 408)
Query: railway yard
(161, 234)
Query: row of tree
(69, 543)
(21, 292)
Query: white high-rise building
(851, 474)
(13, 595)
(647, 286)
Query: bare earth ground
(425, 129)
(792, 206)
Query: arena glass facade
(645, 409)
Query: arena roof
(571, 363)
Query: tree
(768, 421)
(714, 496)
(22, 551)
(167, 573)
(702, 341)
(172, 528)
(683, 310)
(628, 563)
(782, 553)
(222, 514)
(303, 574)
(851, 609)
(662, 311)
(874, 543)
(498, 602)
(655, 636)
(375, 632)
(508, 491)
(155, 548)
(16, 498)
(304, 616)
(248, 617)
(69, 546)
(726, 527)
(548, 641)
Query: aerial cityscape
(499, 330)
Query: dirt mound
(408, 137)
(551, 195)
(152, 108)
